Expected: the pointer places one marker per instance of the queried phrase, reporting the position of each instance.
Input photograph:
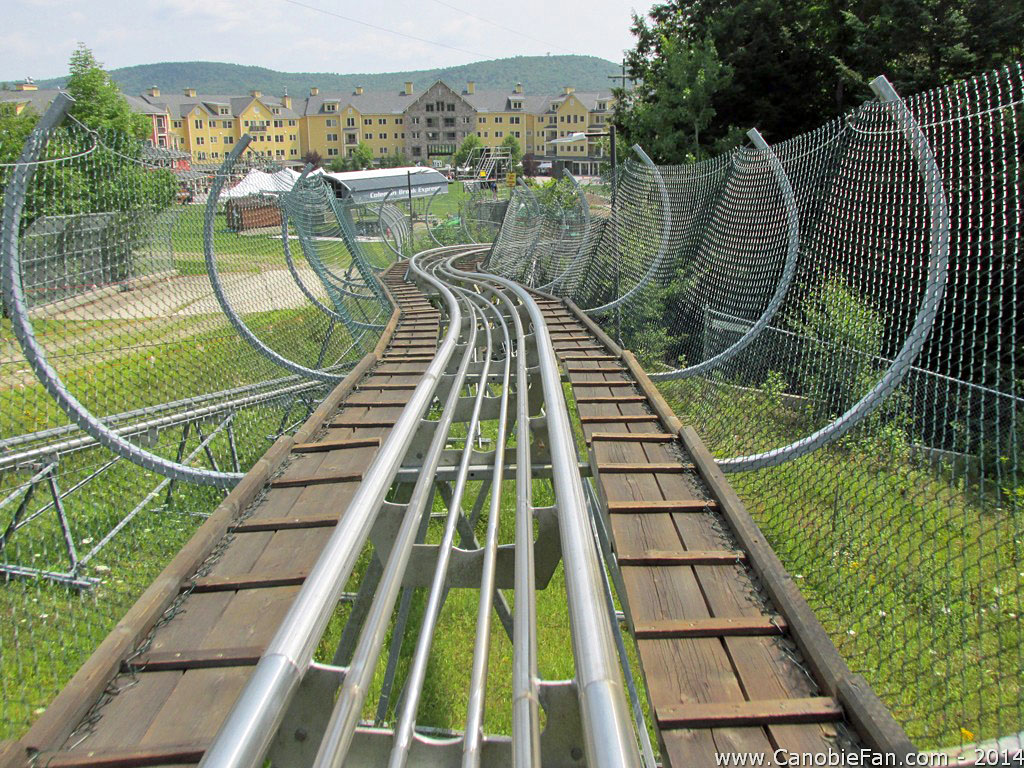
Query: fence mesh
(838, 316)
(192, 351)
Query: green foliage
(673, 105)
(314, 158)
(705, 67)
(515, 151)
(537, 73)
(362, 157)
(397, 160)
(471, 142)
(14, 129)
(843, 337)
(98, 102)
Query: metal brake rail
(525, 699)
(607, 729)
(359, 674)
(246, 734)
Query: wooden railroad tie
(173, 754)
(334, 445)
(592, 358)
(253, 525)
(209, 658)
(246, 581)
(727, 714)
(632, 437)
(595, 369)
(618, 418)
(339, 423)
(385, 385)
(745, 626)
(375, 404)
(657, 557)
(631, 468)
(595, 399)
(655, 507)
(297, 482)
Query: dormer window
(517, 105)
(276, 110)
(330, 107)
(602, 105)
(224, 111)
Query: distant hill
(536, 73)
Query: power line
(502, 26)
(385, 29)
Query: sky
(38, 36)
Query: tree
(668, 111)
(14, 129)
(515, 155)
(338, 165)
(397, 160)
(470, 143)
(98, 101)
(313, 158)
(530, 164)
(362, 157)
(787, 66)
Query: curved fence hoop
(218, 288)
(380, 225)
(666, 228)
(426, 216)
(14, 297)
(530, 263)
(291, 262)
(785, 280)
(935, 288)
(585, 207)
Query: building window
(293, 151)
(466, 120)
(200, 140)
(332, 137)
(176, 123)
(382, 135)
(415, 134)
(383, 150)
(332, 151)
(517, 105)
(213, 139)
(292, 136)
(350, 122)
(415, 120)
(330, 107)
(229, 139)
(215, 154)
(292, 123)
(398, 121)
(331, 122)
(416, 151)
(481, 119)
(279, 123)
(382, 121)
(228, 123)
(451, 107)
(516, 134)
(498, 119)
(515, 119)
(279, 152)
(225, 111)
(498, 134)
(199, 124)
(201, 155)
(368, 136)
(367, 121)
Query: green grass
(915, 575)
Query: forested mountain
(536, 73)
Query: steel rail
(348, 706)
(607, 728)
(246, 734)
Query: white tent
(257, 182)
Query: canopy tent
(373, 186)
(257, 182)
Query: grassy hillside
(536, 73)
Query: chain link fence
(161, 326)
(839, 317)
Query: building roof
(39, 99)
(180, 105)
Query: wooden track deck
(732, 661)
(715, 654)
